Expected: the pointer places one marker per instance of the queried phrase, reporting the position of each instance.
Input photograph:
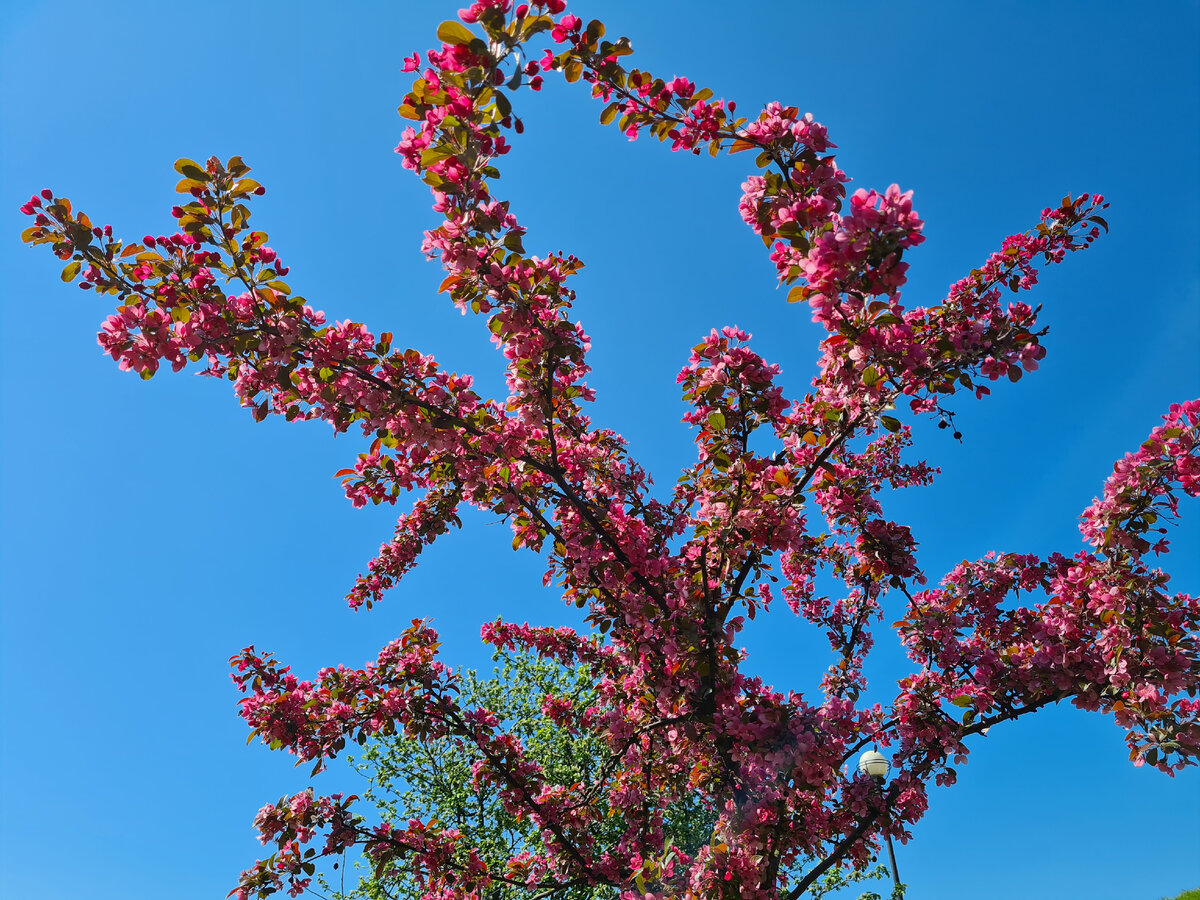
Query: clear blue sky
(151, 530)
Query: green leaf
(532, 25)
(716, 421)
(435, 154)
(239, 216)
(72, 269)
(891, 423)
(185, 163)
(194, 172)
(621, 48)
(451, 32)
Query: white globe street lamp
(875, 765)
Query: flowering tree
(668, 581)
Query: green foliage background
(431, 779)
(412, 778)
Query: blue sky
(149, 531)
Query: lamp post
(875, 765)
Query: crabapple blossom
(667, 581)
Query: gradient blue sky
(151, 530)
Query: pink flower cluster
(1141, 489)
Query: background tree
(431, 780)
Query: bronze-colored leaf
(451, 32)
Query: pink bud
(48, 194)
